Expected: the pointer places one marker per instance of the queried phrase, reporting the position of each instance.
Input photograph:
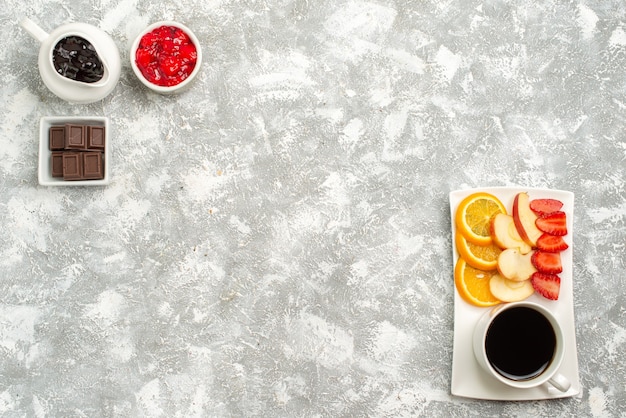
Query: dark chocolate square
(75, 136)
(93, 168)
(95, 137)
(72, 166)
(56, 162)
(57, 138)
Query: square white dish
(468, 378)
(44, 169)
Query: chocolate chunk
(92, 165)
(75, 136)
(56, 161)
(72, 166)
(57, 138)
(95, 137)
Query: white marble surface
(276, 241)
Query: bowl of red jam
(166, 57)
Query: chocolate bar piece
(75, 136)
(95, 137)
(57, 138)
(93, 168)
(56, 161)
(72, 166)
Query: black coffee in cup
(520, 343)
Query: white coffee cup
(502, 327)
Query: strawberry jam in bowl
(166, 57)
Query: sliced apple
(505, 235)
(524, 219)
(515, 266)
(510, 290)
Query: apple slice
(510, 290)
(524, 219)
(505, 235)
(514, 265)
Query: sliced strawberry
(547, 262)
(180, 37)
(553, 223)
(545, 206)
(170, 66)
(547, 285)
(143, 58)
(163, 33)
(148, 40)
(551, 243)
(188, 54)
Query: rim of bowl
(182, 84)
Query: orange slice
(473, 284)
(483, 257)
(473, 216)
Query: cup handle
(34, 30)
(560, 382)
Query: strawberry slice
(547, 285)
(188, 54)
(551, 243)
(169, 66)
(553, 223)
(547, 262)
(544, 206)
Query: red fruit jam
(166, 56)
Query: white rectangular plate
(468, 379)
(44, 170)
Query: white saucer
(468, 379)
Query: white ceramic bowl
(166, 89)
(45, 169)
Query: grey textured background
(276, 241)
